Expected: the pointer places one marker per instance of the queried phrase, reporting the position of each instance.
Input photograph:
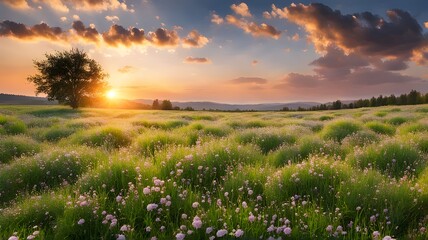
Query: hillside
(10, 99)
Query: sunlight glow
(111, 94)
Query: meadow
(132, 174)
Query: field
(129, 174)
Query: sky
(255, 51)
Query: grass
(105, 174)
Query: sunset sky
(226, 51)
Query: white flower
(180, 236)
(31, 237)
(121, 237)
(388, 238)
(195, 205)
(81, 221)
(197, 223)
(13, 238)
(244, 204)
(221, 232)
(376, 234)
(250, 192)
(287, 231)
(239, 233)
(151, 206)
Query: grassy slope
(108, 174)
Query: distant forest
(412, 98)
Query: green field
(129, 174)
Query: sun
(111, 94)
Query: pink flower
(146, 190)
(251, 218)
(197, 223)
(195, 205)
(221, 232)
(81, 221)
(151, 207)
(287, 231)
(121, 237)
(180, 236)
(239, 233)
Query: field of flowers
(129, 174)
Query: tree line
(412, 98)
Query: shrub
(12, 126)
(340, 129)
(267, 139)
(381, 128)
(108, 137)
(17, 146)
(397, 120)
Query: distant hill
(231, 107)
(11, 99)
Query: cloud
(88, 33)
(195, 39)
(196, 60)
(241, 9)
(398, 36)
(216, 19)
(256, 30)
(112, 18)
(118, 35)
(20, 31)
(126, 69)
(426, 24)
(164, 37)
(17, 4)
(254, 62)
(64, 5)
(76, 17)
(295, 37)
(63, 19)
(267, 15)
(248, 80)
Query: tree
(69, 77)
(166, 105)
(156, 104)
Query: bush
(17, 146)
(338, 130)
(267, 139)
(381, 128)
(397, 120)
(108, 137)
(164, 125)
(12, 126)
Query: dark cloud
(19, 30)
(164, 37)
(195, 39)
(256, 30)
(248, 80)
(88, 33)
(398, 36)
(118, 35)
(196, 60)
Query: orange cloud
(64, 5)
(17, 4)
(126, 69)
(164, 37)
(112, 18)
(216, 19)
(195, 39)
(241, 9)
(248, 80)
(196, 60)
(256, 30)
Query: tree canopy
(69, 77)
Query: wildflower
(250, 192)
(195, 205)
(146, 190)
(121, 237)
(151, 206)
(387, 238)
(376, 234)
(239, 233)
(13, 238)
(244, 204)
(373, 218)
(180, 236)
(221, 232)
(208, 230)
(148, 229)
(124, 228)
(183, 216)
(31, 237)
(197, 223)
(81, 221)
(329, 228)
(118, 198)
(251, 218)
(287, 231)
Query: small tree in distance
(69, 77)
